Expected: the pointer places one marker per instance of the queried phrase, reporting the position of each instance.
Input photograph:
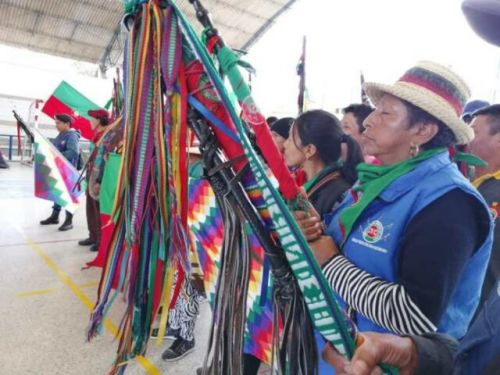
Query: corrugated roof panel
(233, 19)
(100, 17)
(251, 8)
(60, 28)
(16, 17)
(263, 8)
(80, 11)
(44, 42)
(105, 4)
(104, 19)
(91, 35)
(85, 14)
(7, 33)
(82, 29)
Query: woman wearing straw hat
(406, 252)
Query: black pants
(251, 364)
(57, 208)
(93, 218)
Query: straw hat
(433, 88)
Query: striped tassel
(150, 208)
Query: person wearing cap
(486, 145)
(472, 106)
(467, 166)
(67, 142)
(406, 252)
(100, 119)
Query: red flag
(66, 99)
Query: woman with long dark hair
(314, 145)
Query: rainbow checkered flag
(55, 177)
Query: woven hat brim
(429, 102)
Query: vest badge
(373, 232)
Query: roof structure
(90, 30)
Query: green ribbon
(373, 179)
(108, 104)
(469, 159)
(131, 6)
(228, 60)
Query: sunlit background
(380, 38)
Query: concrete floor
(45, 296)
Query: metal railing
(10, 147)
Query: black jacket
(490, 190)
(328, 190)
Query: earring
(414, 149)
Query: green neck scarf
(373, 179)
(310, 183)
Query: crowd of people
(407, 251)
(407, 241)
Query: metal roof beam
(267, 25)
(105, 61)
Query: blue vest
(374, 241)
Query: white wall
(26, 76)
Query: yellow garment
(478, 181)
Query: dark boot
(178, 349)
(68, 222)
(3, 163)
(52, 219)
(86, 242)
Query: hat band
(454, 102)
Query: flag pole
(364, 96)
(301, 72)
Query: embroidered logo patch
(373, 232)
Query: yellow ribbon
(167, 294)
